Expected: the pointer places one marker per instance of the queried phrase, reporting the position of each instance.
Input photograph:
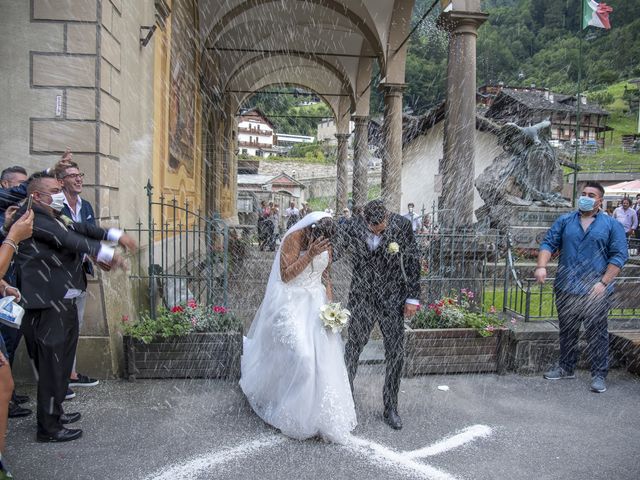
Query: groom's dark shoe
(392, 419)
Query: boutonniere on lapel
(394, 249)
(66, 220)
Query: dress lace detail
(293, 370)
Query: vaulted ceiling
(327, 46)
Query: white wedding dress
(293, 370)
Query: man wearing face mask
(415, 219)
(593, 250)
(51, 278)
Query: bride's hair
(325, 228)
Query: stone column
(341, 164)
(392, 146)
(360, 159)
(457, 168)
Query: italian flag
(595, 14)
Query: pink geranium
(177, 309)
(191, 303)
(125, 318)
(219, 309)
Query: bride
(293, 370)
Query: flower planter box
(453, 350)
(196, 355)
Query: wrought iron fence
(187, 255)
(483, 261)
(455, 259)
(530, 300)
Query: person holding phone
(50, 278)
(21, 230)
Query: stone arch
(338, 73)
(363, 23)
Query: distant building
(279, 189)
(528, 106)
(287, 139)
(255, 134)
(327, 131)
(422, 152)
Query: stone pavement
(484, 427)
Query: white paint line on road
(388, 458)
(189, 470)
(465, 436)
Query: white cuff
(114, 234)
(412, 301)
(105, 255)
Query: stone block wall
(69, 64)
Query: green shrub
(181, 320)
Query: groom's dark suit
(381, 283)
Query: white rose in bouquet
(334, 316)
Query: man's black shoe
(67, 418)
(16, 411)
(392, 419)
(20, 398)
(63, 435)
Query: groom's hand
(410, 309)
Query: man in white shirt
(80, 211)
(627, 216)
(415, 219)
(292, 214)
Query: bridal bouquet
(334, 316)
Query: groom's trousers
(363, 317)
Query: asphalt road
(484, 427)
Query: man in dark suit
(50, 277)
(384, 288)
(80, 211)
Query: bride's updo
(325, 228)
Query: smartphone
(29, 201)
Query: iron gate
(187, 255)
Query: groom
(384, 288)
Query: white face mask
(57, 201)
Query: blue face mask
(586, 204)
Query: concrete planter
(453, 350)
(197, 355)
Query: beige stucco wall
(420, 182)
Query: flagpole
(577, 139)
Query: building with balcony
(255, 134)
(528, 106)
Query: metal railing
(483, 261)
(456, 259)
(187, 256)
(530, 300)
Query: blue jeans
(574, 310)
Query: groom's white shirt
(373, 242)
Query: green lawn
(624, 121)
(542, 305)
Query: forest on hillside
(523, 42)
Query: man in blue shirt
(593, 250)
